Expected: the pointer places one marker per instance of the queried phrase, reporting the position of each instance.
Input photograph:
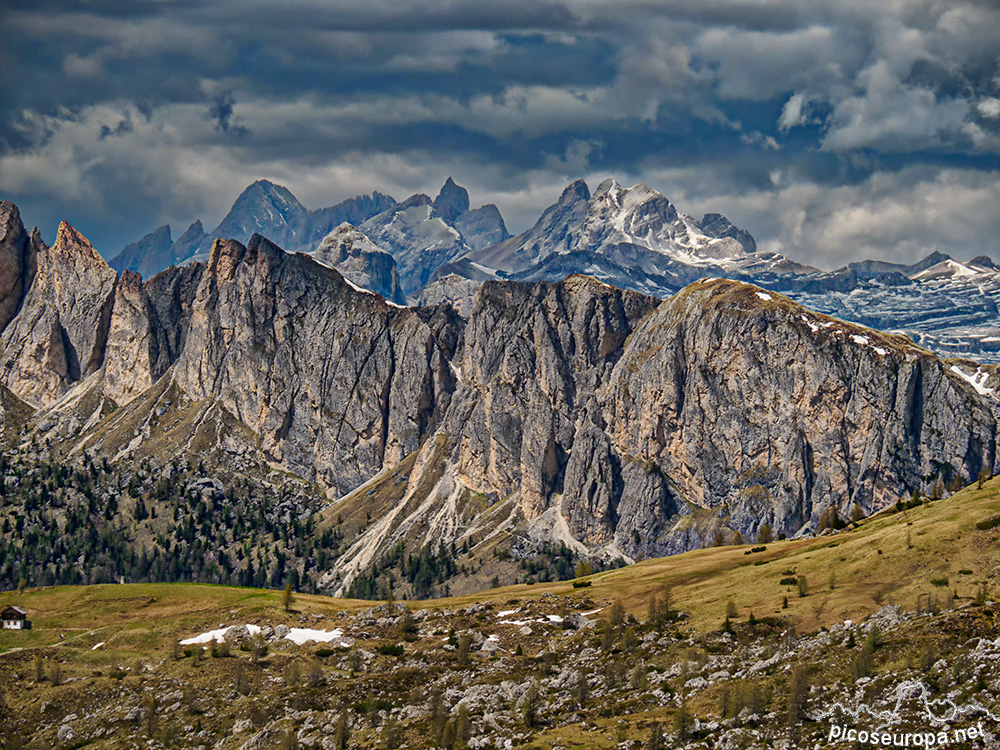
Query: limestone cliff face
(17, 261)
(751, 405)
(147, 331)
(335, 382)
(571, 410)
(534, 356)
(131, 348)
(58, 336)
(648, 428)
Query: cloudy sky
(831, 129)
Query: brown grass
(943, 536)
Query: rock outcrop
(17, 261)
(755, 407)
(361, 262)
(335, 382)
(609, 421)
(534, 357)
(58, 337)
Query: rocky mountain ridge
(262, 208)
(424, 234)
(633, 238)
(571, 412)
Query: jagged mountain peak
(59, 333)
(613, 190)
(638, 219)
(225, 254)
(10, 220)
(162, 232)
(71, 243)
(265, 189)
(150, 254)
(261, 207)
(574, 192)
(452, 201)
(17, 258)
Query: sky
(832, 130)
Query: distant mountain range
(432, 250)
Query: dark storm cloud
(221, 114)
(791, 116)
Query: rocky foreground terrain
(542, 672)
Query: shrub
(580, 584)
(939, 581)
(617, 614)
(464, 647)
(798, 691)
(789, 581)
(391, 649)
(988, 523)
(980, 598)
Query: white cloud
(899, 217)
(793, 113)
(760, 140)
(989, 107)
(757, 65)
(894, 117)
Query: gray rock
(251, 344)
(361, 262)
(152, 253)
(576, 621)
(17, 261)
(58, 337)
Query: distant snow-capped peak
(641, 216)
(953, 269)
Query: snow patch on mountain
(977, 380)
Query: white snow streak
(305, 635)
(977, 381)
